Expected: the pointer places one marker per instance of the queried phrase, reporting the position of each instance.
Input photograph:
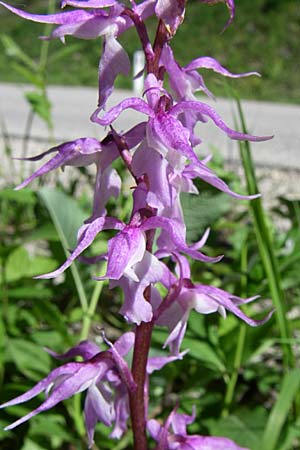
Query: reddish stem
(123, 150)
(137, 399)
(144, 330)
(143, 35)
(162, 36)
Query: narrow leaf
(281, 409)
(67, 217)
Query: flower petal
(230, 6)
(206, 62)
(114, 60)
(158, 362)
(111, 115)
(124, 251)
(85, 349)
(210, 177)
(121, 405)
(171, 13)
(211, 443)
(68, 387)
(107, 185)
(88, 3)
(80, 152)
(148, 161)
(88, 235)
(165, 134)
(64, 18)
(135, 308)
(172, 228)
(212, 114)
(67, 369)
(89, 28)
(97, 408)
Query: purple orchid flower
(171, 13)
(89, 3)
(83, 152)
(128, 247)
(165, 133)
(202, 298)
(96, 374)
(165, 182)
(90, 23)
(178, 439)
(80, 152)
(86, 151)
(104, 374)
(184, 81)
(135, 308)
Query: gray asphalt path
(72, 107)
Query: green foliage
(232, 373)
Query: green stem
(43, 59)
(88, 315)
(76, 413)
(236, 368)
(266, 247)
(229, 395)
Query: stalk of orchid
(160, 156)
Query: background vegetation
(264, 37)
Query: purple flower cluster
(160, 155)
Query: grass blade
(281, 409)
(265, 245)
(67, 218)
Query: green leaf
(13, 50)
(25, 196)
(67, 217)
(281, 409)
(52, 427)
(2, 348)
(237, 429)
(62, 52)
(20, 264)
(50, 313)
(200, 211)
(40, 105)
(30, 359)
(30, 292)
(265, 244)
(31, 445)
(46, 232)
(204, 352)
(292, 436)
(53, 339)
(29, 75)
(198, 349)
